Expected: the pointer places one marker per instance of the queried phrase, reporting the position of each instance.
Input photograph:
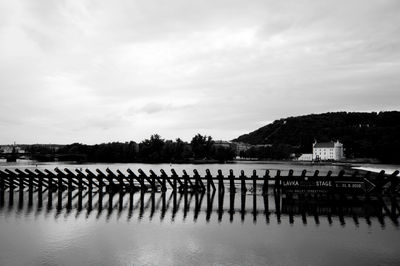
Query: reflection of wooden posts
(277, 198)
(243, 206)
(231, 206)
(232, 187)
(196, 206)
(210, 181)
(220, 205)
(141, 206)
(266, 208)
(210, 201)
(254, 208)
(153, 204)
(163, 206)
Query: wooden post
(118, 178)
(47, 179)
(2, 189)
(394, 182)
(100, 184)
(187, 180)
(142, 175)
(8, 180)
(210, 181)
(132, 187)
(254, 176)
(133, 176)
(266, 181)
(183, 185)
(221, 186)
(277, 180)
(199, 184)
(165, 178)
(89, 182)
(243, 181)
(155, 177)
(232, 187)
(176, 177)
(111, 185)
(13, 176)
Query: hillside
(364, 135)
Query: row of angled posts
(67, 180)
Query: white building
(328, 151)
(306, 157)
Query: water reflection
(202, 206)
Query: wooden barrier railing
(59, 180)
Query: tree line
(152, 150)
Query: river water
(196, 228)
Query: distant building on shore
(306, 157)
(327, 151)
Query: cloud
(119, 70)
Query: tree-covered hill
(364, 135)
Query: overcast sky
(101, 71)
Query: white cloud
(95, 71)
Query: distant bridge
(12, 157)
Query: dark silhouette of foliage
(364, 135)
(201, 146)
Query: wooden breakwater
(113, 181)
(202, 205)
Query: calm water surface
(196, 228)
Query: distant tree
(202, 146)
(151, 150)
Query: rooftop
(330, 144)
